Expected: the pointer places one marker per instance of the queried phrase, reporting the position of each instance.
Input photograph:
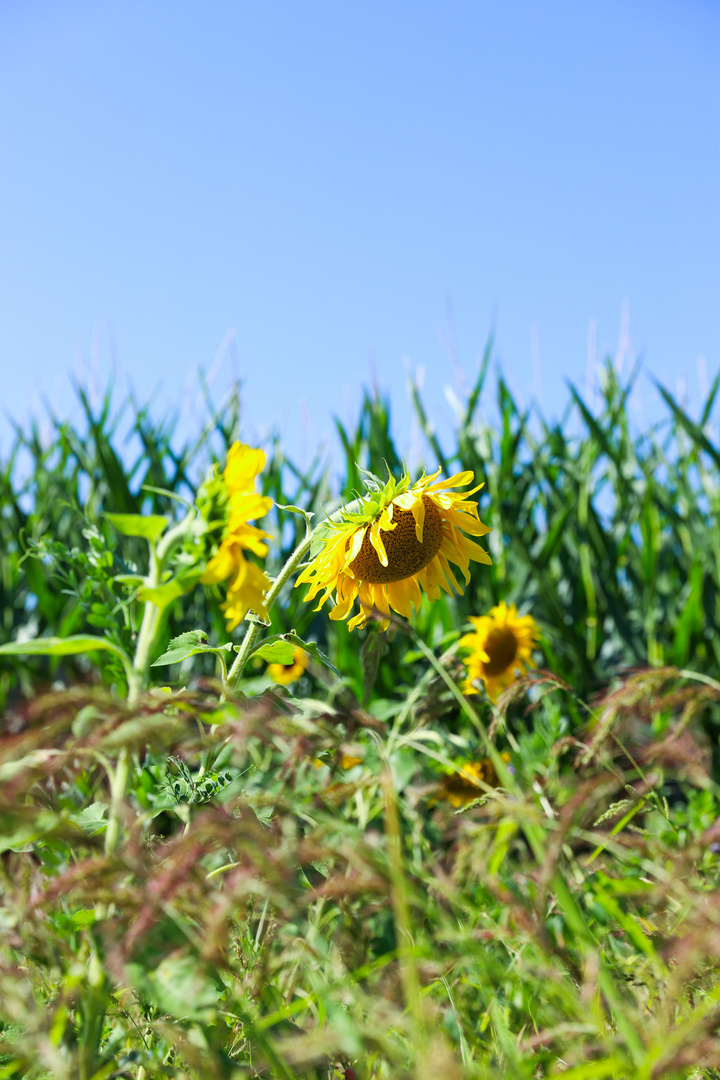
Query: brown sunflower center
(501, 646)
(405, 555)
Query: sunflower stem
(251, 634)
(148, 629)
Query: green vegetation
(295, 881)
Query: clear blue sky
(310, 182)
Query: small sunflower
(287, 673)
(461, 787)
(240, 504)
(403, 537)
(500, 648)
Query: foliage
(272, 913)
(610, 538)
(274, 882)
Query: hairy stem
(253, 630)
(148, 629)
(289, 568)
(152, 613)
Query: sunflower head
(398, 538)
(468, 783)
(227, 503)
(499, 649)
(287, 673)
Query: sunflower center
(501, 646)
(405, 555)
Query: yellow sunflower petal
(418, 512)
(247, 591)
(460, 479)
(365, 597)
(381, 604)
(220, 566)
(248, 505)
(398, 598)
(243, 465)
(354, 546)
(377, 543)
(249, 582)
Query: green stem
(253, 630)
(289, 568)
(174, 536)
(118, 788)
(148, 629)
(151, 614)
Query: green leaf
(92, 818)
(28, 832)
(274, 649)
(297, 510)
(691, 616)
(167, 493)
(160, 595)
(53, 646)
(148, 526)
(130, 579)
(276, 652)
(178, 985)
(696, 434)
(312, 649)
(710, 401)
(189, 644)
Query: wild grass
(293, 894)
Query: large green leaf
(148, 526)
(55, 646)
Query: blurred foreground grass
(306, 886)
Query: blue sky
(308, 193)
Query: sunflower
(500, 648)
(402, 537)
(468, 783)
(240, 504)
(287, 673)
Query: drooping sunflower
(399, 538)
(287, 673)
(239, 503)
(500, 649)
